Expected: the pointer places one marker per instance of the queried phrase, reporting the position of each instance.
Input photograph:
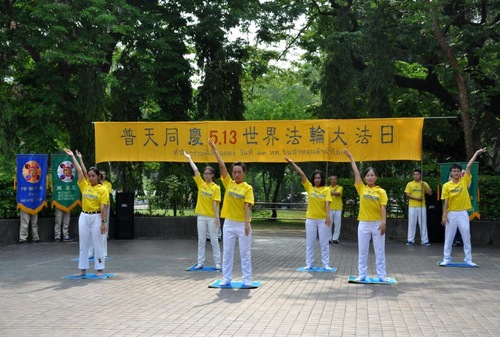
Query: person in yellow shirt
(92, 220)
(318, 222)
(415, 192)
(207, 208)
(237, 211)
(372, 219)
(336, 207)
(456, 204)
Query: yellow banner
(261, 141)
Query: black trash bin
(434, 214)
(125, 215)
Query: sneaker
(218, 267)
(426, 244)
(57, 239)
(36, 240)
(68, 239)
(22, 241)
(327, 267)
(198, 266)
(457, 244)
(409, 243)
(335, 242)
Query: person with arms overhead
(92, 220)
(318, 221)
(236, 210)
(372, 219)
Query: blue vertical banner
(31, 179)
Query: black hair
(321, 174)
(456, 166)
(417, 170)
(97, 173)
(239, 163)
(212, 171)
(365, 172)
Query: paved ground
(154, 296)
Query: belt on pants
(91, 212)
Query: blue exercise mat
(89, 276)
(456, 264)
(371, 280)
(235, 285)
(192, 268)
(90, 259)
(317, 270)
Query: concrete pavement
(153, 295)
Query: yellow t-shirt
(415, 189)
(336, 203)
(458, 194)
(316, 199)
(107, 184)
(370, 200)
(235, 198)
(207, 194)
(93, 196)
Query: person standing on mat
(372, 220)
(92, 220)
(415, 192)
(455, 206)
(237, 211)
(318, 222)
(336, 207)
(207, 208)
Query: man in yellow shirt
(415, 192)
(456, 204)
(336, 207)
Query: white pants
(336, 217)
(315, 228)
(104, 238)
(89, 230)
(234, 230)
(25, 219)
(460, 220)
(417, 214)
(370, 230)
(61, 218)
(207, 224)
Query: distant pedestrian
(336, 207)
(318, 222)
(415, 192)
(25, 220)
(372, 220)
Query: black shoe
(68, 239)
(22, 241)
(335, 242)
(57, 239)
(36, 241)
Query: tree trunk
(463, 96)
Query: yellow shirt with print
(458, 194)
(93, 196)
(207, 194)
(235, 198)
(316, 199)
(370, 200)
(336, 203)
(416, 190)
